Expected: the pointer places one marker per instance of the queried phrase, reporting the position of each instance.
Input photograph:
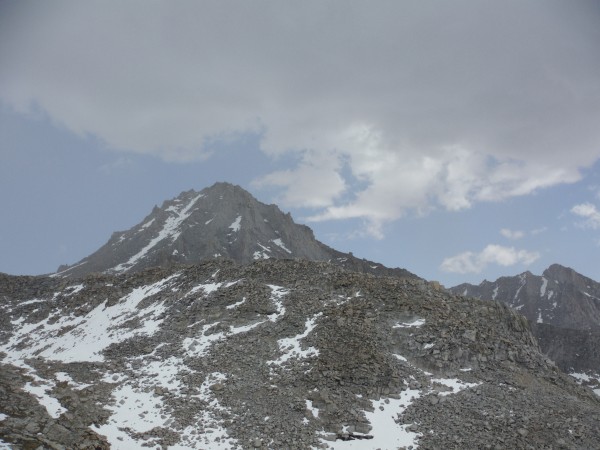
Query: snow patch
(387, 434)
(277, 292)
(543, 287)
(415, 323)
(66, 378)
(279, 243)
(235, 226)
(147, 224)
(291, 348)
(199, 346)
(314, 411)
(454, 384)
(39, 388)
(134, 408)
(72, 290)
(235, 305)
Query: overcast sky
(459, 140)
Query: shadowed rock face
(275, 354)
(223, 221)
(563, 307)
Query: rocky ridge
(563, 308)
(275, 354)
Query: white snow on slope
(264, 254)
(236, 304)
(291, 348)
(414, 323)
(277, 292)
(543, 287)
(39, 389)
(89, 334)
(65, 377)
(199, 346)
(279, 243)
(72, 290)
(495, 293)
(523, 279)
(387, 434)
(593, 381)
(67, 269)
(147, 224)
(209, 288)
(136, 409)
(235, 226)
(171, 230)
(590, 296)
(453, 383)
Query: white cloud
(427, 107)
(512, 234)
(470, 262)
(590, 213)
(301, 186)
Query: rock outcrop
(563, 308)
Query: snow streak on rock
(291, 348)
(280, 244)
(171, 230)
(414, 323)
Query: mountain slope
(222, 221)
(274, 354)
(559, 297)
(563, 307)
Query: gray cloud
(428, 104)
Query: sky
(459, 140)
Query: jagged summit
(221, 221)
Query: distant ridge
(559, 297)
(221, 221)
(563, 308)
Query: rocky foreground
(277, 354)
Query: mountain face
(223, 221)
(563, 307)
(271, 355)
(560, 297)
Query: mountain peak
(221, 221)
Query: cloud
(537, 231)
(469, 262)
(421, 106)
(510, 234)
(301, 189)
(590, 213)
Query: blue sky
(459, 140)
